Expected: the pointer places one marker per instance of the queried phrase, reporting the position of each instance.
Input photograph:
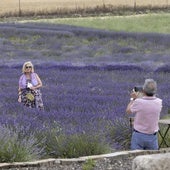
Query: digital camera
(138, 89)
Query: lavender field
(87, 76)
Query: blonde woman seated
(29, 87)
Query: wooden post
(134, 5)
(103, 1)
(19, 7)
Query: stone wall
(114, 161)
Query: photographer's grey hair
(150, 87)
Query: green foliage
(72, 146)
(88, 165)
(12, 151)
(15, 149)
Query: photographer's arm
(128, 109)
(133, 96)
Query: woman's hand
(19, 99)
(33, 88)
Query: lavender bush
(13, 148)
(87, 76)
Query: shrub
(88, 165)
(121, 133)
(15, 149)
(72, 146)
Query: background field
(158, 23)
(87, 76)
(13, 6)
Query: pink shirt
(147, 113)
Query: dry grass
(12, 6)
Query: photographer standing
(147, 112)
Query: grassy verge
(159, 23)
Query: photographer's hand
(133, 95)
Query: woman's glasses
(28, 67)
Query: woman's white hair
(28, 63)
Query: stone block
(152, 162)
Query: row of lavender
(87, 77)
(80, 46)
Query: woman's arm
(39, 83)
(19, 95)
